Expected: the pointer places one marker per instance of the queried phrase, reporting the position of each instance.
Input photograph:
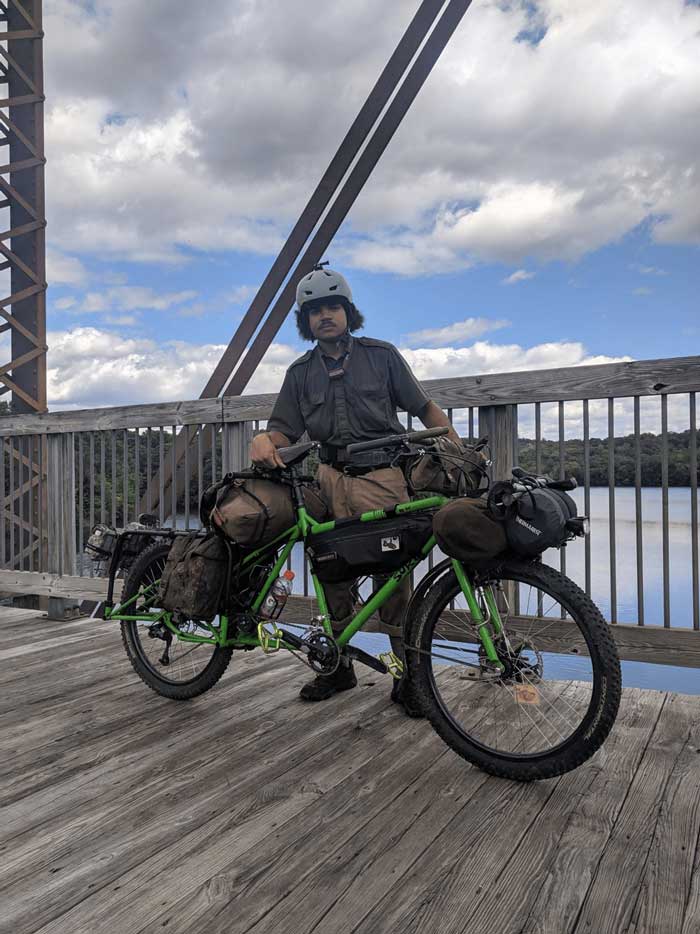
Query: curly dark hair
(354, 315)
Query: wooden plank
(56, 585)
(552, 865)
(611, 897)
(116, 417)
(668, 874)
(142, 840)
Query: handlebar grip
(391, 440)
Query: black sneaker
(325, 686)
(403, 693)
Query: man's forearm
(433, 416)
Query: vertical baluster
(213, 454)
(161, 468)
(664, 510)
(41, 501)
(538, 437)
(200, 463)
(694, 510)
(611, 509)
(638, 519)
(3, 492)
(13, 487)
(114, 478)
(471, 423)
(137, 472)
(92, 482)
(186, 430)
(149, 470)
(81, 499)
(587, 489)
(173, 481)
(125, 477)
(562, 475)
(103, 472)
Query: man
(343, 391)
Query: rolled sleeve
(286, 414)
(407, 392)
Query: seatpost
(297, 488)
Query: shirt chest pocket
(370, 405)
(316, 413)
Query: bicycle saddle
(295, 453)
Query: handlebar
(394, 440)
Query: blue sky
(539, 206)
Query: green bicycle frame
(488, 625)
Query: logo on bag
(390, 544)
(530, 528)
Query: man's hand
(263, 451)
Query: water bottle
(274, 602)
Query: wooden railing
(63, 472)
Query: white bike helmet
(322, 283)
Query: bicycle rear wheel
(556, 700)
(170, 665)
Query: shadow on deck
(246, 810)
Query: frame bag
(195, 575)
(355, 548)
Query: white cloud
(649, 270)
(133, 297)
(241, 295)
(63, 304)
(520, 275)
(485, 357)
(458, 332)
(592, 130)
(62, 269)
(90, 367)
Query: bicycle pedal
(393, 664)
(270, 639)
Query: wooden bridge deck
(246, 810)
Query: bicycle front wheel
(554, 701)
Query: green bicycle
(514, 666)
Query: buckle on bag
(393, 663)
(270, 639)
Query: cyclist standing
(345, 390)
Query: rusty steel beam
(378, 97)
(22, 184)
(380, 139)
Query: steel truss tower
(23, 249)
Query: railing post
(236, 444)
(61, 517)
(498, 422)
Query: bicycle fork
(488, 625)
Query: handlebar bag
(195, 575)
(466, 530)
(537, 521)
(355, 548)
(447, 468)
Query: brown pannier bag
(466, 530)
(195, 575)
(447, 468)
(252, 512)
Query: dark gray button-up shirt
(358, 406)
